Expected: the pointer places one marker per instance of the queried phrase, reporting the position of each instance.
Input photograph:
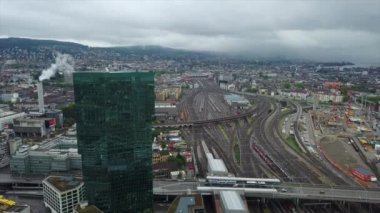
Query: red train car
(363, 174)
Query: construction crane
(349, 111)
(335, 85)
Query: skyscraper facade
(114, 114)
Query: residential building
(114, 116)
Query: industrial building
(62, 194)
(237, 101)
(33, 127)
(223, 80)
(165, 111)
(7, 117)
(115, 111)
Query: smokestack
(40, 93)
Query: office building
(62, 194)
(114, 115)
(54, 155)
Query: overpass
(281, 191)
(201, 122)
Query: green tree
(69, 116)
(251, 90)
(287, 85)
(163, 144)
(299, 86)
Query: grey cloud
(323, 30)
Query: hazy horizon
(311, 30)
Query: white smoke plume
(63, 63)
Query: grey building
(57, 155)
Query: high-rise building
(114, 115)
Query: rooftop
(187, 203)
(88, 209)
(235, 98)
(217, 165)
(232, 201)
(64, 183)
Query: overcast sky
(320, 30)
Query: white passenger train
(241, 181)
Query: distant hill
(102, 52)
(25, 43)
(10, 48)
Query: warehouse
(237, 101)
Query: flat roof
(9, 113)
(232, 201)
(88, 209)
(217, 165)
(235, 98)
(64, 183)
(267, 180)
(184, 203)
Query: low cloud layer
(319, 30)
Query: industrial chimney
(40, 93)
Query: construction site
(345, 132)
(11, 206)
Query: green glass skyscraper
(114, 114)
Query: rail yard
(252, 146)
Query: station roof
(217, 165)
(232, 201)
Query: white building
(62, 194)
(9, 97)
(300, 95)
(326, 97)
(232, 202)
